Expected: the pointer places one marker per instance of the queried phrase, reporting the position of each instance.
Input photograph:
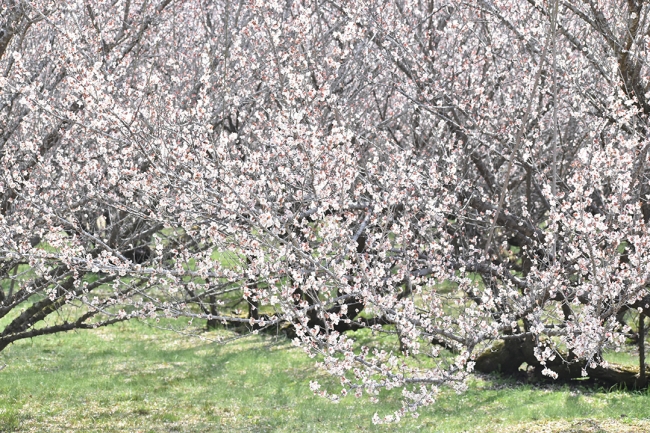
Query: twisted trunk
(507, 357)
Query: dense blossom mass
(450, 175)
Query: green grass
(132, 377)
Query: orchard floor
(135, 378)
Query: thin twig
(518, 140)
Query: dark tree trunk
(212, 323)
(506, 358)
(642, 376)
(253, 309)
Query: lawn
(136, 378)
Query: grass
(135, 378)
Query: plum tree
(470, 179)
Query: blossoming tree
(469, 179)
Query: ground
(134, 377)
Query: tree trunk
(506, 358)
(212, 323)
(642, 376)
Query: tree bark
(506, 358)
(642, 375)
(212, 323)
